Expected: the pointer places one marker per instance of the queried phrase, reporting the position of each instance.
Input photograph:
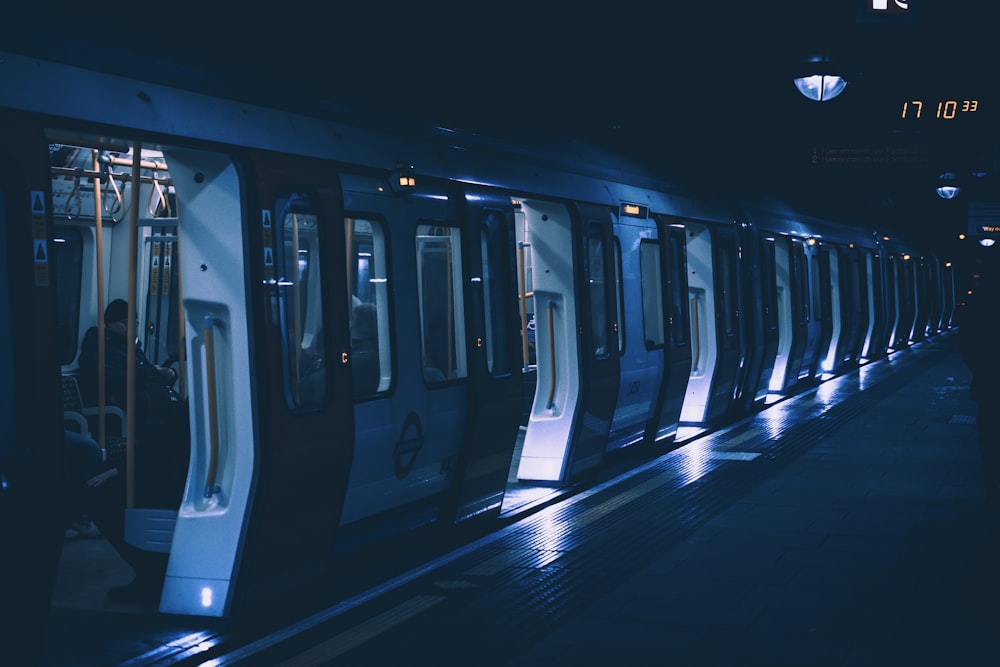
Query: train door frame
(31, 481)
(713, 275)
(494, 384)
(642, 360)
(829, 311)
(577, 383)
(666, 413)
(815, 290)
(300, 384)
(769, 325)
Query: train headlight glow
(206, 597)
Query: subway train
(379, 326)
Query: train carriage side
(824, 292)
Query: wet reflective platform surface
(845, 526)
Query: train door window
(620, 291)
(496, 260)
(727, 263)
(819, 268)
(301, 301)
(66, 259)
(371, 370)
(800, 279)
(439, 299)
(598, 289)
(679, 324)
(161, 312)
(652, 301)
(769, 281)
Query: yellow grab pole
(130, 402)
(99, 250)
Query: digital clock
(938, 109)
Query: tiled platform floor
(874, 547)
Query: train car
(376, 326)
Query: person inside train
(977, 339)
(81, 460)
(160, 450)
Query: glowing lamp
(402, 179)
(947, 186)
(821, 87)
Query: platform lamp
(947, 185)
(819, 79)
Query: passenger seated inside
(161, 448)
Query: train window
(819, 296)
(652, 300)
(620, 291)
(679, 324)
(800, 284)
(369, 285)
(769, 281)
(496, 261)
(66, 259)
(162, 318)
(727, 264)
(598, 289)
(301, 302)
(440, 303)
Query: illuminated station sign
(984, 219)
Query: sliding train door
(575, 340)
(293, 275)
(31, 485)
(493, 341)
(677, 334)
(715, 323)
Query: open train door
(31, 512)
(677, 360)
(495, 385)
(576, 341)
(267, 381)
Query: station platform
(844, 526)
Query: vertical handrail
(133, 233)
(552, 359)
(297, 307)
(213, 409)
(102, 372)
(695, 333)
(522, 298)
(181, 320)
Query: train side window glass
(371, 370)
(160, 329)
(66, 260)
(818, 294)
(598, 289)
(301, 301)
(769, 279)
(800, 280)
(440, 303)
(728, 281)
(679, 324)
(620, 291)
(497, 292)
(652, 300)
